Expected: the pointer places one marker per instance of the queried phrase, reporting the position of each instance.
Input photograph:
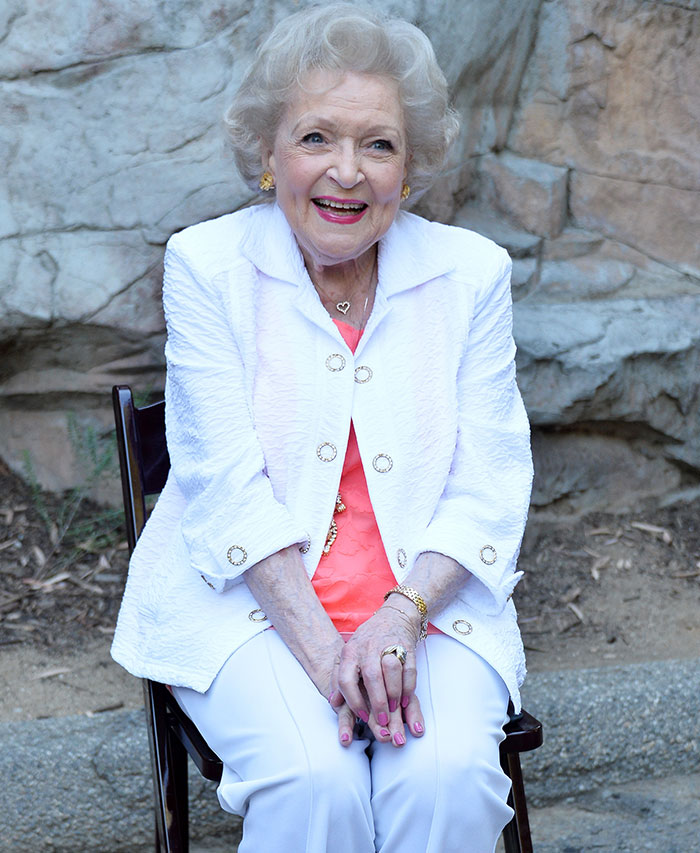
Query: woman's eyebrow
(312, 120)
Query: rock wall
(579, 153)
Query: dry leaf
(88, 587)
(50, 673)
(576, 611)
(652, 528)
(114, 707)
(9, 543)
(39, 556)
(103, 563)
(47, 584)
(571, 596)
(61, 576)
(602, 563)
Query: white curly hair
(344, 37)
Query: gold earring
(405, 192)
(267, 182)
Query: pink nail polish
(399, 739)
(332, 697)
(404, 701)
(345, 737)
(382, 719)
(385, 733)
(418, 728)
(363, 715)
(393, 705)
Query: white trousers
(300, 791)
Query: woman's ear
(265, 156)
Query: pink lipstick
(345, 211)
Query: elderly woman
(326, 578)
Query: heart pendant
(343, 307)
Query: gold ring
(397, 650)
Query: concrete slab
(82, 784)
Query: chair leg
(176, 799)
(516, 835)
(169, 763)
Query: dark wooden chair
(144, 465)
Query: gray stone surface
(611, 92)
(612, 725)
(662, 815)
(484, 220)
(529, 192)
(80, 784)
(83, 784)
(619, 379)
(663, 221)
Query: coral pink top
(353, 577)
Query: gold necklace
(344, 306)
(333, 529)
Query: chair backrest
(143, 456)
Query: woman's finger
(373, 683)
(381, 732)
(392, 671)
(346, 724)
(409, 676)
(349, 684)
(335, 697)
(413, 717)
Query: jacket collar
(407, 256)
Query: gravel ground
(605, 590)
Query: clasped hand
(378, 688)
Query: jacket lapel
(406, 259)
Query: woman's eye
(382, 145)
(314, 138)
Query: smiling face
(339, 160)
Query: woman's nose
(346, 171)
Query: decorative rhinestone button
(382, 463)
(236, 555)
(335, 362)
(257, 615)
(363, 374)
(401, 557)
(326, 451)
(461, 626)
(305, 545)
(488, 555)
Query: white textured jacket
(260, 392)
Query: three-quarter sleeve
(480, 518)
(232, 519)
